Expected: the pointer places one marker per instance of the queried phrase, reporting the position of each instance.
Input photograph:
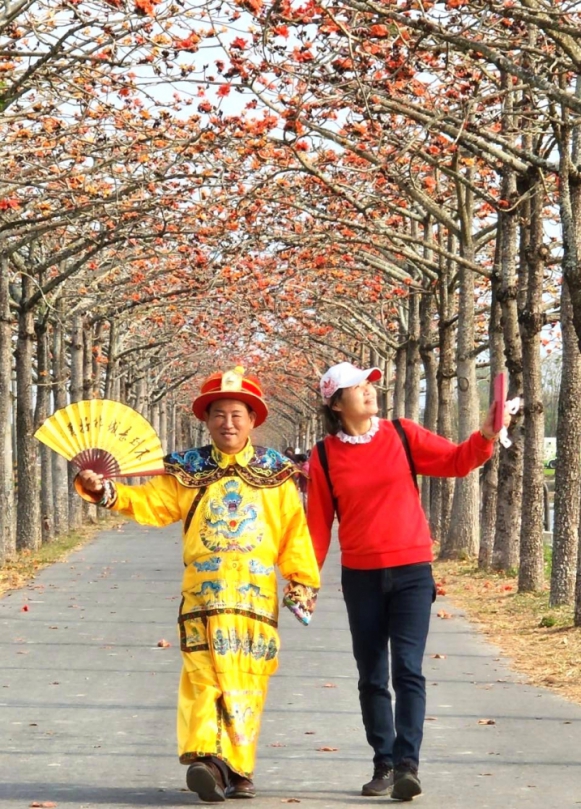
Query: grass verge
(19, 571)
(540, 641)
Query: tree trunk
(77, 359)
(463, 538)
(111, 378)
(505, 555)
(569, 191)
(442, 489)
(399, 389)
(87, 361)
(531, 568)
(387, 397)
(180, 431)
(489, 478)
(430, 365)
(7, 522)
(163, 422)
(567, 513)
(76, 394)
(568, 472)
(97, 360)
(43, 390)
(577, 611)
(141, 394)
(90, 511)
(413, 360)
(128, 385)
(171, 424)
(201, 435)
(154, 414)
(59, 464)
(28, 534)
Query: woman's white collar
(360, 439)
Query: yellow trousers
(219, 713)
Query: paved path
(87, 700)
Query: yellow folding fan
(108, 437)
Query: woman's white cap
(345, 375)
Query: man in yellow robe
(242, 518)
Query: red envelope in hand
(499, 400)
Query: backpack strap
(404, 440)
(322, 452)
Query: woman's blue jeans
(389, 614)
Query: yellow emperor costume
(242, 518)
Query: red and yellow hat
(231, 385)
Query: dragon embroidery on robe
(230, 521)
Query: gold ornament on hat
(232, 380)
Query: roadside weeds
(540, 641)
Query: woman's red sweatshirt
(382, 520)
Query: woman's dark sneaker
(382, 781)
(406, 784)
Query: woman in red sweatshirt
(386, 555)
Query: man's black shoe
(382, 781)
(406, 784)
(240, 787)
(205, 778)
